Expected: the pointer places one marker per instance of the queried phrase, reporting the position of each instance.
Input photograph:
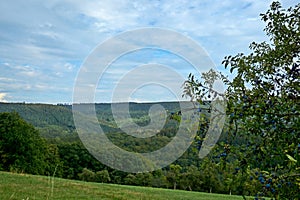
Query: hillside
(42, 115)
(56, 121)
(71, 160)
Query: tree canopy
(22, 149)
(263, 105)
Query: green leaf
(291, 158)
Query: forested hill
(57, 119)
(41, 115)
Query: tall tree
(173, 175)
(263, 104)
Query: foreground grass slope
(20, 186)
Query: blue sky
(44, 43)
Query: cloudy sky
(43, 44)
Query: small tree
(159, 179)
(102, 176)
(87, 175)
(130, 179)
(191, 179)
(143, 179)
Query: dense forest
(63, 153)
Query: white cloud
(2, 97)
(42, 44)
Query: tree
(102, 176)
(174, 175)
(130, 179)
(75, 157)
(263, 104)
(143, 179)
(159, 179)
(54, 165)
(210, 176)
(87, 175)
(191, 179)
(22, 149)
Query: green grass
(27, 187)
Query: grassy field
(27, 187)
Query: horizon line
(72, 103)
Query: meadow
(22, 186)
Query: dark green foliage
(54, 166)
(75, 157)
(268, 111)
(173, 175)
(22, 149)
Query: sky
(44, 44)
